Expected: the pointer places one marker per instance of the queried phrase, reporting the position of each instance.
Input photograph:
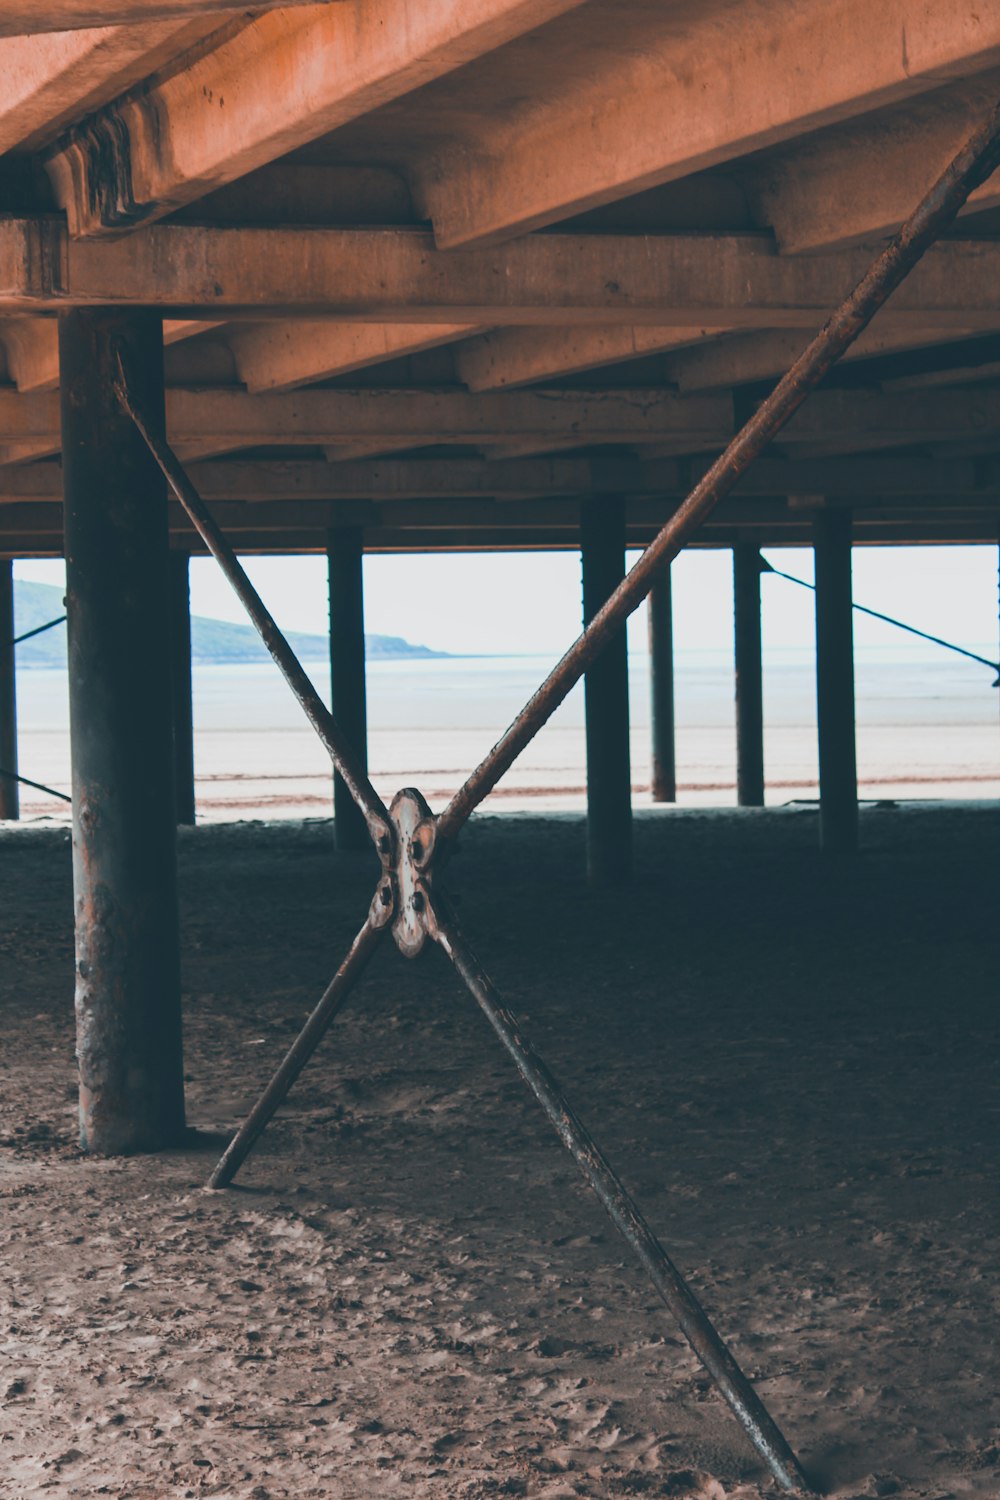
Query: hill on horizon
(213, 642)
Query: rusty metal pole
(180, 683)
(124, 865)
(624, 1214)
(838, 773)
(661, 684)
(331, 1002)
(749, 676)
(609, 775)
(345, 569)
(10, 803)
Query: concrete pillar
(180, 682)
(609, 775)
(10, 806)
(749, 679)
(661, 671)
(838, 774)
(345, 558)
(121, 733)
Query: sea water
(928, 726)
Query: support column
(749, 680)
(180, 682)
(838, 774)
(609, 775)
(661, 670)
(124, 865)
(10, 804)
(345, 559)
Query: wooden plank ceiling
(440, 268)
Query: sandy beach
(410, 1292)
(927, 727)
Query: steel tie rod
(38, 630)
(340, 751)
(39, 786)
(876, 614)
(691, 1317)
(976, 161)
(301, 1050)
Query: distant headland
(213, 642)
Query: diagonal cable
(38, 630)
(340, 751)
(875, 614)
(37, 785)
(976, 161)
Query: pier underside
(439, 272)
(390, 276)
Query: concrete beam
(419, 543)
(307, 193)
(396, 275)
(310, 480)
(512, 449)
(238, 517)
(297, 528)
(689, 96)
(860, 181)
(873, 481)
(287, 78)
(509, 357)
(280, 357)
(338, 453)
(20, 17)
(47, 82)
(32, 348)
(28, 450)
(231, 419)
(959, 375)
(750, 357)
(854, 420)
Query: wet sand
(789, 1059)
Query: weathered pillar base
(609, 773)
(838, 772)
(124, 866)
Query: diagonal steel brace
(412, 842)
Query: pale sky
(520, 602)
